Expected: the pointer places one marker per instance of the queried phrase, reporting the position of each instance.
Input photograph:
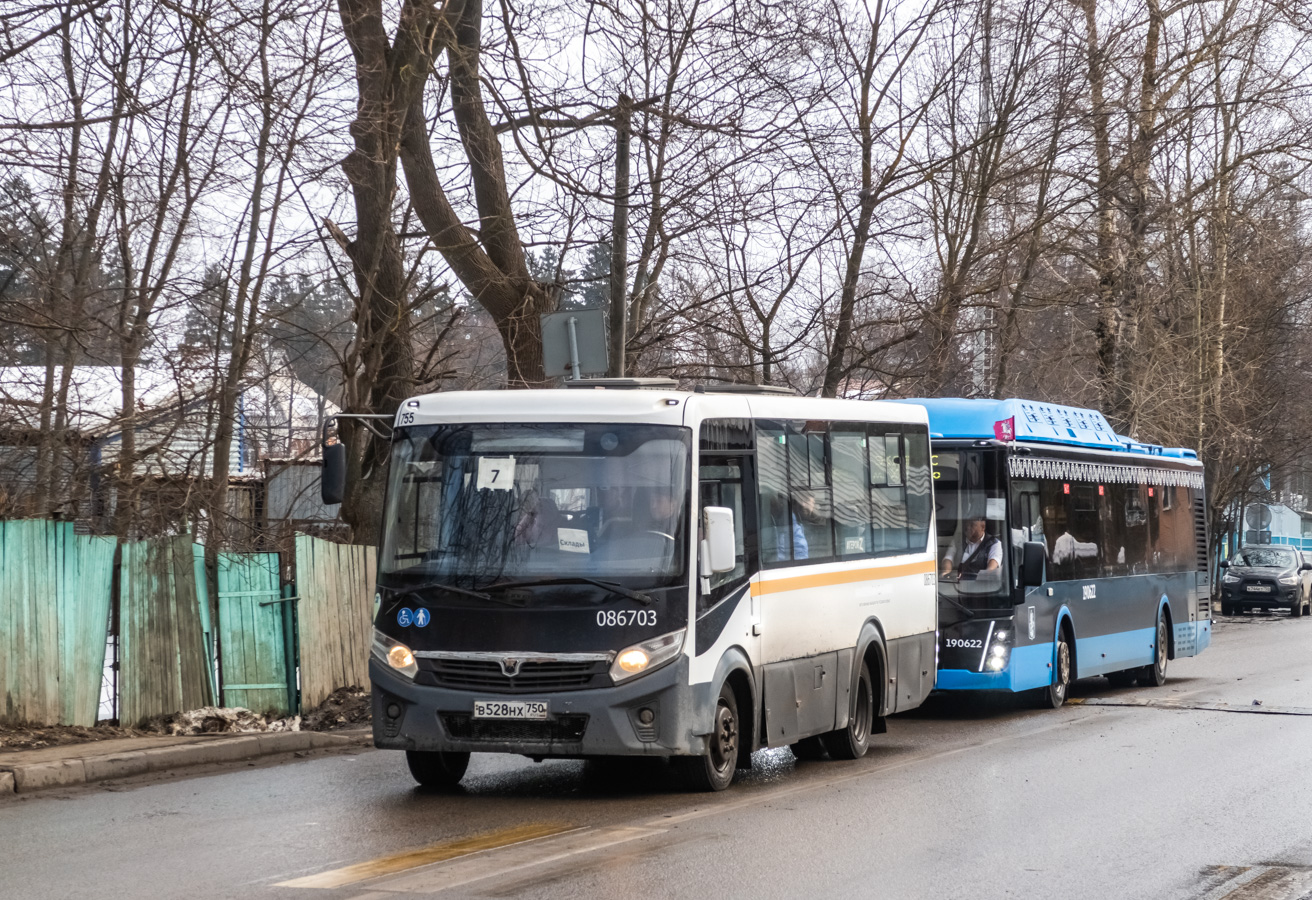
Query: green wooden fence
(254, 631)
(54, 616)
(163, 666)
(55, 597)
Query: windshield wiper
(440, 586)
(620, 589)
(970, 613)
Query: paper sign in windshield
(573, 540)
(495, 473)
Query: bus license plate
(1258, 589)
(510, 709)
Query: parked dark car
(1267, 577)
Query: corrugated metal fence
(55, 601)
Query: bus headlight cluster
(394, 654)
(996, 658)
(646, 656)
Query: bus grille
(562, 729)
(533, 676)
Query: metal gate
(255, 634)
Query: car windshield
(475, 505)
(1267, 559)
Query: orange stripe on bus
(847, 576)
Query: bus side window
(772, 493)
(919, 496)
(721, 484)
(851, 499)
(811, 518)
(888, 494)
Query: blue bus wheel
(1054, 695)
(1155, 675)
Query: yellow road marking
(411, 859)
(847, 576)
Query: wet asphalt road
(962, 799)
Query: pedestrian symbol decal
(404, 617)
(421, 617)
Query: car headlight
(395, 655)
(648, 655)
(1289, 579)
(1227, 578)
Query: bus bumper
(1028, 667)
(601, 722)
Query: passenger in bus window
(802, 505)
(981, 552)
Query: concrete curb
(22, 778)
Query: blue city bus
(1065, 550)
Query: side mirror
(332, 483)
(1306, 567)
(718, 552)
(1034, 556)
(1225, 563)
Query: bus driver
(982, 552)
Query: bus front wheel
(714, 769)
(437, 768)
(1054, 695)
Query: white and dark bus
(622, 572)
(1065, 550)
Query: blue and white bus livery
(1065, 550)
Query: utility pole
(619, 253)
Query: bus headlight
(646, 656)
(395, 655)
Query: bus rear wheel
(1054, 695)
(853, 741)
(438, 769)
(714, 769)
(1155, 675)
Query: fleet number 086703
(610, 618)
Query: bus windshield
(972, 539)
(475, 505)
